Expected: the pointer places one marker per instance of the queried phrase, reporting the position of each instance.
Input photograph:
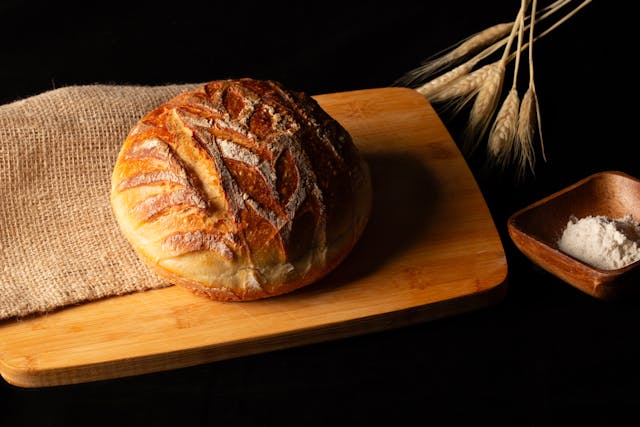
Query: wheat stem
(464, 48)
(500, 143)
(551, 28)
(489, 92)
(528, 116)
(520, 25)
(564, 18)
(435, 90)
(514, 31)
(512, 132)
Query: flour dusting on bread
(241, 190)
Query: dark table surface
(547, 354)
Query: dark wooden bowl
(536, 229)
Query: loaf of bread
(241, 190)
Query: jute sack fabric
(59, 242)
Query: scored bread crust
(240, 190)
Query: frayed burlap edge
(59, 242)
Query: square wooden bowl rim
(513, 226)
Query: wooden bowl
(536, 229)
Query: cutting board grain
(430, 250)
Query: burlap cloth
(59, 242)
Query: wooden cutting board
(430, 250)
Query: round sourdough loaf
(240, 190)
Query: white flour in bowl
(602, 242)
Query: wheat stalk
(486, 38)
(501, 139)
(458, 86)
(488, 94)
(500, 145)
(463, 49)
(484, 106)
(512, 132)
(528, 116)
(431, 89)
(462, 86)
(527, 119)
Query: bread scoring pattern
(244, 169)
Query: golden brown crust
(240, 190)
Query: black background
(546, 355)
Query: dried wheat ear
(467, 77)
